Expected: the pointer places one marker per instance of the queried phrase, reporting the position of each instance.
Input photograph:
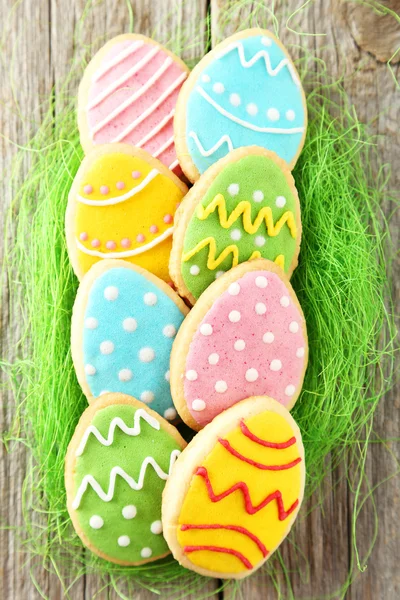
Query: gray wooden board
(37, 45)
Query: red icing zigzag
(238, 555)
(277, 445)
(250, 508)
(237, 528)
(252, 462)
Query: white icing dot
(106, 347)
(191, 375)
(234, 99)
(236, 235)
(233, 189)
(206, 329)
(258, 196)
(234, 289)
(150, 299)
(129, 324)
(146, 552)
(129, 511)
(273, 114)
(205, 78)
(294, 327)
(259, 241)
(234, 316)
(147, 397)
(125, 375)
(156, 527)
(275, 365)
(194, 270)
(96, 522)
(280, 201)
(290, 115)
(300, 352)
(260, 308)
(290, 390)
(91, 323)
(170, 414)
(104, 392)
(266, 41)
(221, 386)
(218, 87)
(213, 358)
(268, 337)
(124, 540)
(169, 331)
(219, 274)
(251, 375)
(167, 375)
(284, 301)
(261, 281)
(239, 345)
(146, 355)
(252, 109)
(90, 370)
(111, 293)
(198, 405)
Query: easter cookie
(116, 466)
(122, 205)
(245, 337)
(236, 490)
(128, 94)
(123, 325)
(245, 206)
(245, 92)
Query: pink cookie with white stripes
(128, 94)
(246, 336)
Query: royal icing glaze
(243, 496)
(251, 94)
(251, 342)
(122, 463)
(128, 329)
(124, 209)
(250, 210)
(132, 96)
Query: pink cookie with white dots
(246, 336)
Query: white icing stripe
(134, 485)
(173, 165)
(166, 145)
(126, 253)
(156, 129)
(222, 140)
(151, 108)
(261, 54)
(167, 63)
(131, 49)
(115, 85)
(117, 199)
(246, 124)
(118, 422)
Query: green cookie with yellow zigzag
(245, 206)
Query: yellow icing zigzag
(244, 208)
(214, 261)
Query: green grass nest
(342, 283)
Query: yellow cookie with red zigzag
(235, 491)
(122, 205)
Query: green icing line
(252, 173)
(127, 452)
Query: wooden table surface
(37, 45)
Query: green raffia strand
(341, 282)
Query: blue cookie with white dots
(245, 92)
(123, 326)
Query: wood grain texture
(38, 42)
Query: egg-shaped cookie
(235, 491)
(124, 322)
(246, 336)
(122, 204)
(117, 463)
(245, 92)
(245, 206)
(128, 94)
